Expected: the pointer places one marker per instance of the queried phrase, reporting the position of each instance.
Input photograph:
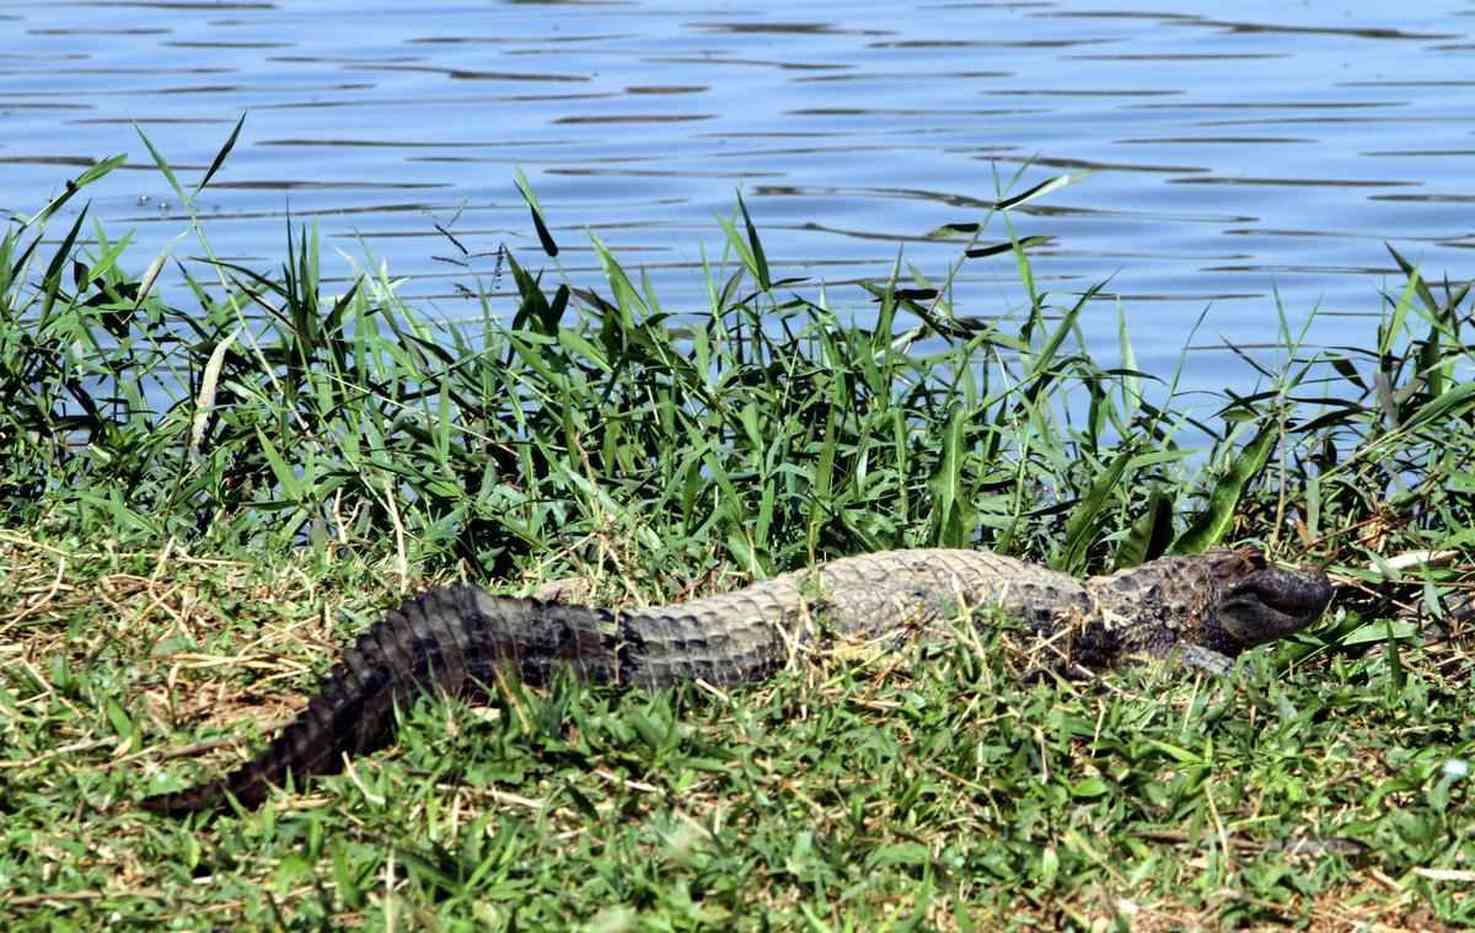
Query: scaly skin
(460, 639)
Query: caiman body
(459, 640)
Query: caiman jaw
(1271, 603)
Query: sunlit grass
(207, 489)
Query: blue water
(1233, 161)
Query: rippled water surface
(1236, 156)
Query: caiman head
(1222, 602)
(1250, 603)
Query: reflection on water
(1233, 158)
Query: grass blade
(545, 236)
(163, 166)
(1082, 527)
(1042, 189)
(220, 156)
(1209, 529)
(760, 262)
(73, 186)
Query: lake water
(1272, 149)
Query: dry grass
(713, 807)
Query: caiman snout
(1271, 603)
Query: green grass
(203, 499)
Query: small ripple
(634, 118)
(1214, 140)
(1296, 182)
(285, 185)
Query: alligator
(459, 640)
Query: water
(1233, 160)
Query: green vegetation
(202, 501)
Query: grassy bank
(206, 493)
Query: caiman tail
(450, 640)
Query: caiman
(459, 640)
